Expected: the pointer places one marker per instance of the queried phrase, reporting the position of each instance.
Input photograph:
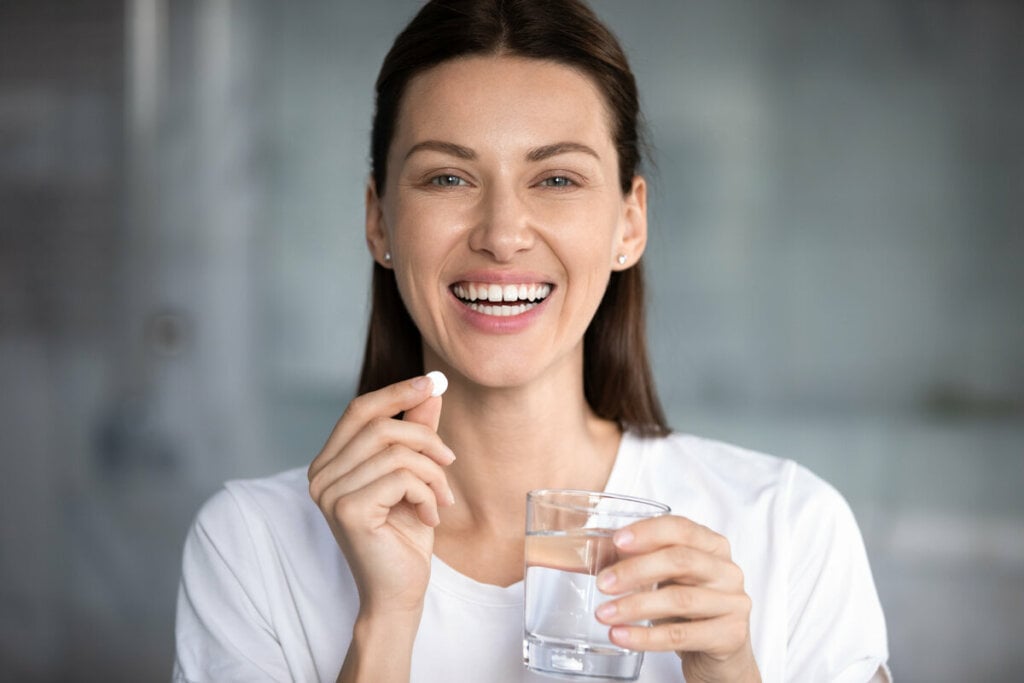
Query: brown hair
(617, 378)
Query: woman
(507, 219)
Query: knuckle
(679, 556)
(355, 409)
(736, 574)
(377, 425)
(393, 455)
(682, 599)
(737, 632)
(316, 489)
(406, 478)
(342, 508)
(746, 605)
(677, 632)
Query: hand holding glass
(568, 542)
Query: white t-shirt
(266, 593)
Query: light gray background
(835, 269)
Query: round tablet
(440, 382)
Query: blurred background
(838, 233)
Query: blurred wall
(837, 232)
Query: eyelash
(568, 182)
(451, 180)
(438, 180)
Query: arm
(222, 629)
(837, 628)
(380, 651)
(371, 482)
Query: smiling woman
(507, 220)
(504, 175)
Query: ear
(376, 230)
(633, 227)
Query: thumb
(427, 413)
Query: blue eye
(557, 181)
(447, 180)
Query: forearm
(380, 652)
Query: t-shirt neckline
(450, 581)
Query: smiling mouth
(501, 299)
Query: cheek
(589, 232)
(420, 231)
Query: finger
(427, 413)
(676, 564)
(396, 457)
(666, 530)
(387, 402)
(378, 434)
(370, 506)
(718, 636)
(672, 601)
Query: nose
(503, 227)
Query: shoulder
(725, 476)
(710, 462)
(252, 504)
(724, 459)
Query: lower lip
(500, 324)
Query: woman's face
(504, 215)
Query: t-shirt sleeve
(836, 625)
(222, 630)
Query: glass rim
(657, 508)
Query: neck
(510, 441)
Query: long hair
(617, 379)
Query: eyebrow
(535, 154)
(548, 151)
(443, 147)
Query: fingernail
(451, 454)
(607, 610)
(620, 633)
(606, 580)
(451, 498)
(623, 538)
(421, 383)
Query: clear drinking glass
(568, 541)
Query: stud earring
(621, 259)
(387, 257)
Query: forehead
(504, 101)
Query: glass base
(568, 660)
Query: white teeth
(501, 311)
(503, 300)
(495, 293)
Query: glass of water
(568, 541)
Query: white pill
(440, 382)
